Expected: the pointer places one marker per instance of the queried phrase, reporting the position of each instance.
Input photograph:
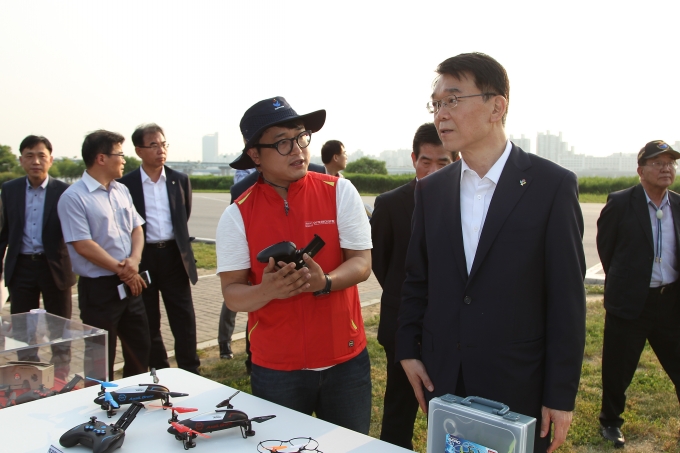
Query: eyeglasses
(116, 154)
(164, 145)
(451, 101)
(285, 146)
(658, 166)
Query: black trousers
(227, 324)
(624, 340)
(400, 406)
(31, 278)
(170, 279)
(100, 306)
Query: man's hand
(561, 421)
(317, 280)
(417, 376)
(136, 284)
(128, 268)
(284, 282)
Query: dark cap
(653, 149)
(266, 114)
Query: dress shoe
(225, 350)
(613, 434)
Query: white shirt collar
(43, 185)
(146, 177)
(92, 184)
(495, 171)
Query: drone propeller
(261, 419)
(103, 383)
(109, 399)
(227, 401)
(177, 409)
(185, 429)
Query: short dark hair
(99, 142)
(427, 135)
(330, 149)
(32, 141)
(489, 75)
(142, 130)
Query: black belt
(161, 244)
(663, 289)
(33, 256)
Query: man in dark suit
(390, 232)
(637, 240)
(493, 304)
(162, 197)
(228, 317)
(37, 260)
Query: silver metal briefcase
(479, 420)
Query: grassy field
(592, 198)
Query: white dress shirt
(157, 209)
(475, 197)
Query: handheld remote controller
(99, 436)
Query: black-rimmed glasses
(285, 146)
(164, 145)
(451, 101)
(116, 154)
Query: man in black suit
(162, 197)
(390, 232)
(37, 260)
(493, 304)
(637, 240)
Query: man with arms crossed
(162, 197)
(37, 261)
(493, 303)
(637, 240)
(306, 332)
(104, 236)
(391, 231)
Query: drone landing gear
(110, 410)
(187, 440)
(247, 431)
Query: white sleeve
(353, 226)
(231, 244)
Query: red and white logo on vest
(313, 223)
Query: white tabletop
(34, 426)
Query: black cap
(653, 149)
(266, 114)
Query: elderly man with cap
(637, 240)
(305, 327)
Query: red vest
(302, 331)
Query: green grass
(205, 255)
(592, 198)
(652, 414)
(594, 289)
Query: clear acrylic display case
(41, 352)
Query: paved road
(208, 207)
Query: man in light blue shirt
(103, 232)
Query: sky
(603, 73)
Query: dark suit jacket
(390, 232)
(179, 196)
(11, 236)
(626, 248)
(241, 186)
(516, 324)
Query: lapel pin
(522, 182)
(173, 182)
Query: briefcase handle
(501, 409)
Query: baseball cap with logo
(653, 149)
(268, 113)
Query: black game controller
(99, 436)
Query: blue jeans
(340, 395)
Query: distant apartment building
(210, 150)
(676, 146)
(523, 142)
(398, 158)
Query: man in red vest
(305, 327)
